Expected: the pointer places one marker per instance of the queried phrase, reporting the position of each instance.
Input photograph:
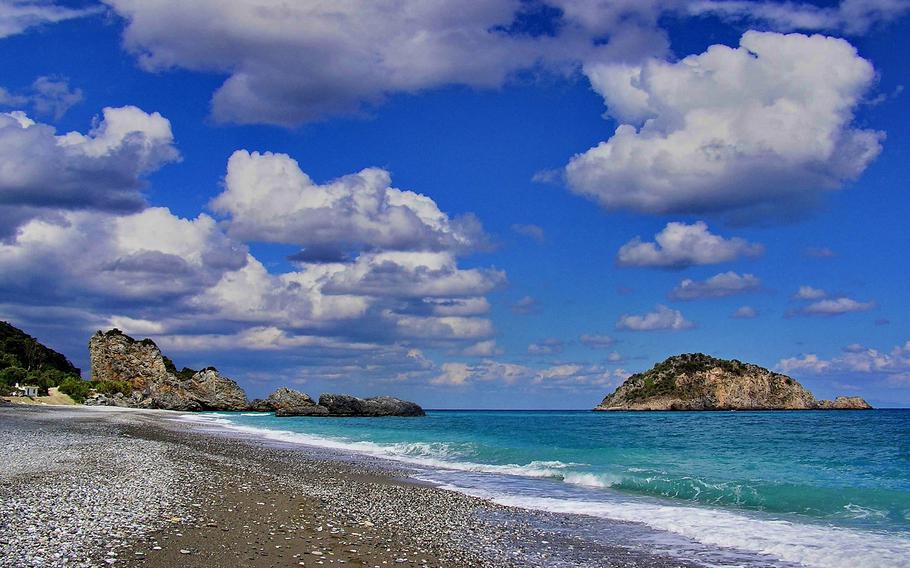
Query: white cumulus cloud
(42, 172)
(662, 318)
(680, 245)
(717, 286)
(893, 365)
(269, 198)
(763, 128)
(835, 307)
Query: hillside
(23, 359)
(18, 349)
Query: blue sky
(759, 164)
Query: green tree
(13, 375)
(76, 388)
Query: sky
(515, 204)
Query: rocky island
(695, 381)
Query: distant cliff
(700, 382)
(155, 381)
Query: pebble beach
(90, 487)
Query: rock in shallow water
(287, 402)
(346, 405)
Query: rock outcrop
(155, 381)
(288, 402)
(700, 382)
(844, 403)
(345, 405)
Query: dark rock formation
(259, 405)
(289, 398)
(306, 410)
(700, 382)
(345, 405)
(155, 381)
(287, 402)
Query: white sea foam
(811, 545)
(431, 455)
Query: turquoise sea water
(821, 489)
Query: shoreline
(179, 493)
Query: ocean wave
(810, 545)
(432, 455)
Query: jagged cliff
(154, 379)
(695, 381)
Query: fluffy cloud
(835, 307)
(680, 245)
(42, 173)
(662, 318)
(16, 16)
(745, 312)
(565, 375)
(765, 128)
(48, 96)
(893, 365)
(718, 286)
(91, 258)
(819, 304)
(294, 62)
(804, 363)
(525, 305)
(269, 198)
(486, 348)
(849, 16)
(191, 283)
(550, 346)
(809, 293)
(54, 96)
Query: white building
(26, 390)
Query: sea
(826, 489)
